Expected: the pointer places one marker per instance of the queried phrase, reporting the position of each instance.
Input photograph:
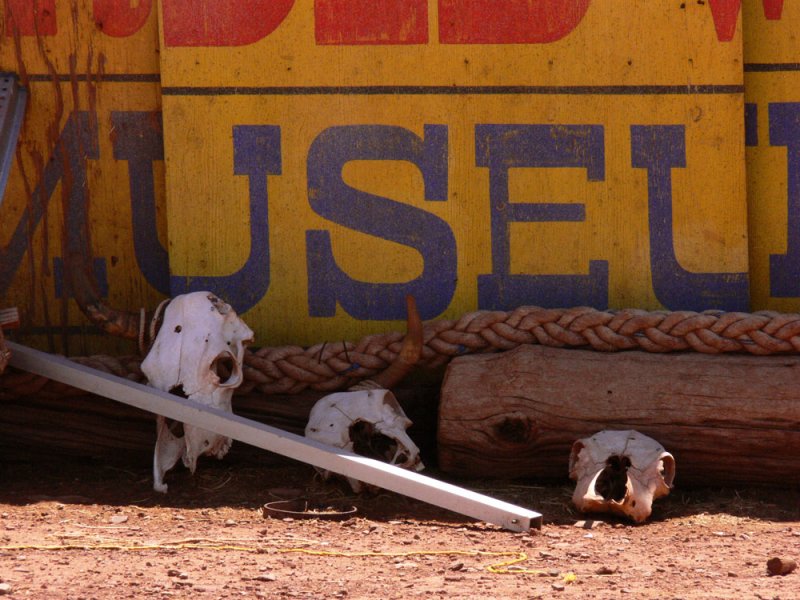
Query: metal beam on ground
(408, 483)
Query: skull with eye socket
(197, 354)
(620, 472)
(367, 422)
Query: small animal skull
(198, 354)
(621, 472)
(367, 422)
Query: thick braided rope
(340, 365)
(334, 366)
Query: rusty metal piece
(301, 508)
(780, 566)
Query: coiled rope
(338, 365)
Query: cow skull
(621, 472)
(368, 422)
(198, 354)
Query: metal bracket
(12, 110)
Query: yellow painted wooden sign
(772, 117)
(323, 159)
(86, 188)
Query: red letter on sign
(371, 22)
(725, 13)
(119, 18)
(221, 22)
(773, 9)
(508, 21)
(25, 17)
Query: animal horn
(410, 351)
(110, 320)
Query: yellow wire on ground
(502, 567)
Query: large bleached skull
(198, 354)
(368, 422)
(620, 472)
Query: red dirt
(71, 529)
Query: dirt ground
(81, 530)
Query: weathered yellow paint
(771, 76)
(619, 45)
(621, 42)
(623, 64)
(75, 70)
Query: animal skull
(198, 354)
(367, 422)
(621, 472)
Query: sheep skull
(367, 422)
(198, 354)
(620, 472)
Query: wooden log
(727, 419)
(45, 417)
(4, 353)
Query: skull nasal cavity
(612, 483)
(223, 367)
(369, 442)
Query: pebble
(5, 588)
(559, 587)
(230, 523)
(118, 519)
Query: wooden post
(46, 417)
(4, 352)
(727, 419)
